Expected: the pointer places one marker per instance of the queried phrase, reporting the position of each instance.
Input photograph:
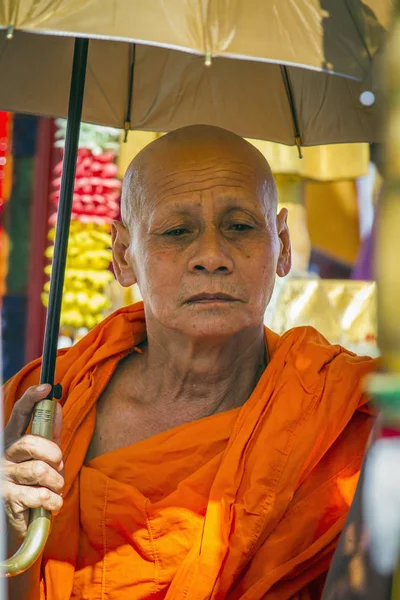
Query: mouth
(211, 298)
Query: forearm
(27, 585)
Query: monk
(197, 455)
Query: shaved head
(188, 146)
(199, 211)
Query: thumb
(22, 412)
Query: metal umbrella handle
(43, 415)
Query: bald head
(193, 145)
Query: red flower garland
(96, 191)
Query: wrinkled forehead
(168, 174)
(173, 177)
(178, 174)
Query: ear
(120, 245)
(285, 253)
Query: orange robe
(244, 504)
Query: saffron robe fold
(244, 504)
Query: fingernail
(42, 387)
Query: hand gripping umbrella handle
(39, 518)
(43, 415)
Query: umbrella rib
(356, 27)
(127, 124)
(290, 97)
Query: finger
(22, 412)
(35, 447)
(19, 498)
(34, 472)
(57, 424)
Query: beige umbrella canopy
(154, 77)
(336, 35)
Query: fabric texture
(244, 504)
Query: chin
(214, 325)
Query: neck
(202, 377)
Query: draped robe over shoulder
(243, 504)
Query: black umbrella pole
(43, 414)
(64, 211)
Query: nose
(211, 254)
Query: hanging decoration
(95, 204)
(6, 122)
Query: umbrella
(308, 32)
(153, 78)
(164, 85)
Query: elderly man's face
(207, 246)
